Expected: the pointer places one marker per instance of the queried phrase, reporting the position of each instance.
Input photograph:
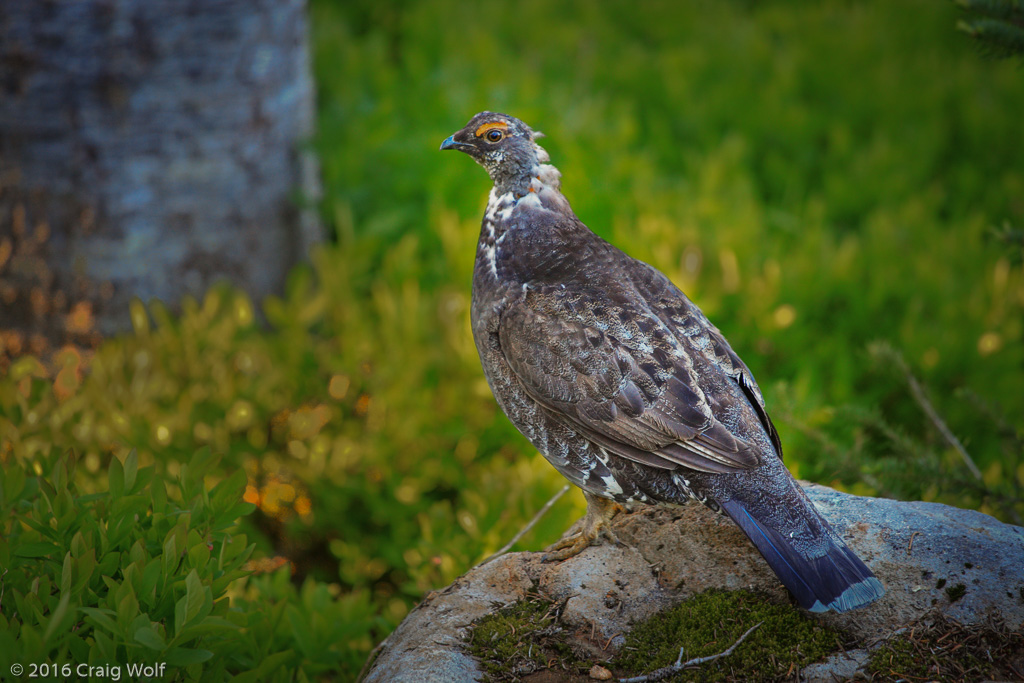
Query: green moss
(523, 638)
(943, 649)
(526, 637)
(898, 655)
(710, 622)
(956, 592)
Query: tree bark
(149, 148)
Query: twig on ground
(910, 546)
(665, 672)
(529, 525)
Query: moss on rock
(523, 638)
(526, 638)
(709, 623)
(956, 592)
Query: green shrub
(151, 573)
(125, 576)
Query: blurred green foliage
(152, 571)
(818, 178)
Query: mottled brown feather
(677, 428)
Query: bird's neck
(532, 173)
(530, 215)
(535, 192)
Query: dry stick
(926, 406)
(922, 400)
(665, 672)
(522, 532)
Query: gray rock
(919, 551)
(841, 666)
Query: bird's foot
(595, 524)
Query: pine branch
(884, 351)
(1011, 10)
(997, 25)
(997, 38)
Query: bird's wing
(637, 395)
(745, 379)
(680, 314)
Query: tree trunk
(148, 148)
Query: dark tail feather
(837, 580)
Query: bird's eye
(494, 135)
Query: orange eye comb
(501, 125)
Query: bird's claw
(595, 524)
(573, 544)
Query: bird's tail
(834, 578)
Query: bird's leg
(596, 523)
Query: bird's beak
(451, 143)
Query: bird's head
(502, 144)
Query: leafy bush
(125, 575)
(138, 576)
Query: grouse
(623, 384)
